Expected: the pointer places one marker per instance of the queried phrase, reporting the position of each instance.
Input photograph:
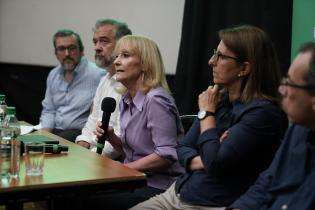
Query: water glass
(34, 158)
(15, 158)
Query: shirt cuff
(188, 157)
(84, 138)
(47, 124)
(166, 153)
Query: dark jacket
(289, 182)
(231, 167)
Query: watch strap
(208, 113)
(204, 114)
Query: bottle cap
(11, 110)
(2, 97)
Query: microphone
(55, 148)
(51, 148)
(108, 106)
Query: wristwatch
(202, 114)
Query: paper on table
(25, 129)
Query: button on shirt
(67, 104)
(150, 124)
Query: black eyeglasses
(216, 55)
(286, 82)
(70, 48)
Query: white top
(106, 88)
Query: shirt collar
(138, 100)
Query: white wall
(27, 26)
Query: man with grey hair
(106, 33)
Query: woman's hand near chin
(208, 99)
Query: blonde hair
(150, 57)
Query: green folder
(37, 138)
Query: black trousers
(70, 134)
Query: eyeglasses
(286, 82)
(216, 55)
(70, 48)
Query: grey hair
(66, 33)
(121, 27)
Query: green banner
(303, 24)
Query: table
(79, 171)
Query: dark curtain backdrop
(201, 22)
(24, 87)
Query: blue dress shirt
(67, 104)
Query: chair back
(187, 121)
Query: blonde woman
(150, 126)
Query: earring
(239, 75)
(142, 76)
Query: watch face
(201, 115)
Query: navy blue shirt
(230, 167)
(289, 182)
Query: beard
(103, 61)
(68, 64)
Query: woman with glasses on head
(238, 127)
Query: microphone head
(108, 105)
